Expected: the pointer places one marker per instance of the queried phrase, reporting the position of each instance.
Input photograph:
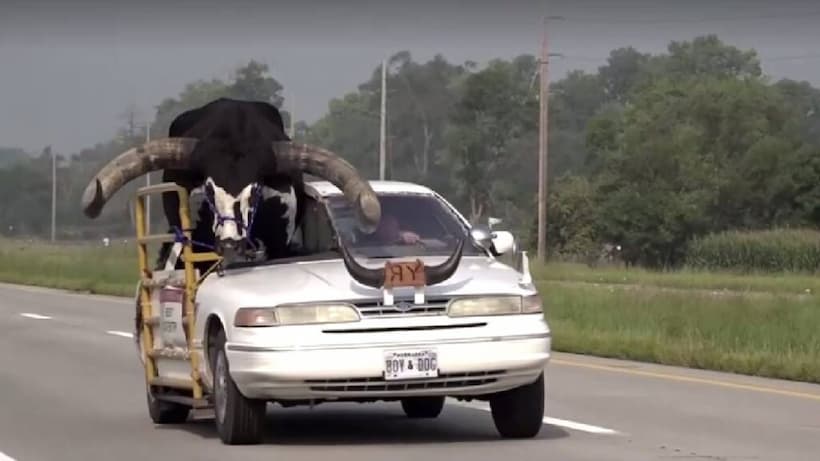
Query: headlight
(295, 314)
(491, 305)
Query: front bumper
(467, 367)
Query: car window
(434, 228)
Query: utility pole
(543, 125)
(383, 128)
(53, 194)
(543, 138)
(148, 182)
(292, 118)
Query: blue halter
(256, 196)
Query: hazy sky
(68, 69)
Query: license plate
(412, 364)
(404, 274)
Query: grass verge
(629, 318)
(781, 282)
(86, 268)
(773, 336)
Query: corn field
(779, 250)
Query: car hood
(328, 280)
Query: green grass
(782, 282)
(82, 267)
(757, 326)
(773, 336)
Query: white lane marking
(35, 317)
(5, 457)
(578, 426)
(574, 425)
(124, 334)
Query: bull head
(177, 153)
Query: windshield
(411, 225)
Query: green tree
(625, 69)
(11, 155)
(694, 156)
(250, 82)
(495, 108)
(709, 56)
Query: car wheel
(239, 420)
(166, 412)
(422, 407)
(519, 412)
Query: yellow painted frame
(191, 285)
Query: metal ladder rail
(190, 285)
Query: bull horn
(375, 277)
(445, 270)
(151, 156)
(368, 277)
(331, 167)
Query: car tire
(166, 412)
(519, 413)
(239, 420)
(422, 407)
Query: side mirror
(496, 242)
(503, 242)
(482, 235)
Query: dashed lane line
(29, 315)
(123, 334)
(565, 423)
(579, 426)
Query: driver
(388, 232)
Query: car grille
(444, 381)
(402, 308)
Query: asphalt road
(71, 389)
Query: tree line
(648, 152)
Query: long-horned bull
(250, 174)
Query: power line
(609, 5)
(792, 57)
(693, 20)
(576, 57)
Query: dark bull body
(227, 148)
(234, 150)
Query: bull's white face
(236, 211)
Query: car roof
(326, 189)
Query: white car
(303, 330)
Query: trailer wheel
(166, 412)
(239, 420)
(519, 413)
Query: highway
(72, 389)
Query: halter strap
(254, 205)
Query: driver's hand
(409, 237)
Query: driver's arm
(409, 237)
